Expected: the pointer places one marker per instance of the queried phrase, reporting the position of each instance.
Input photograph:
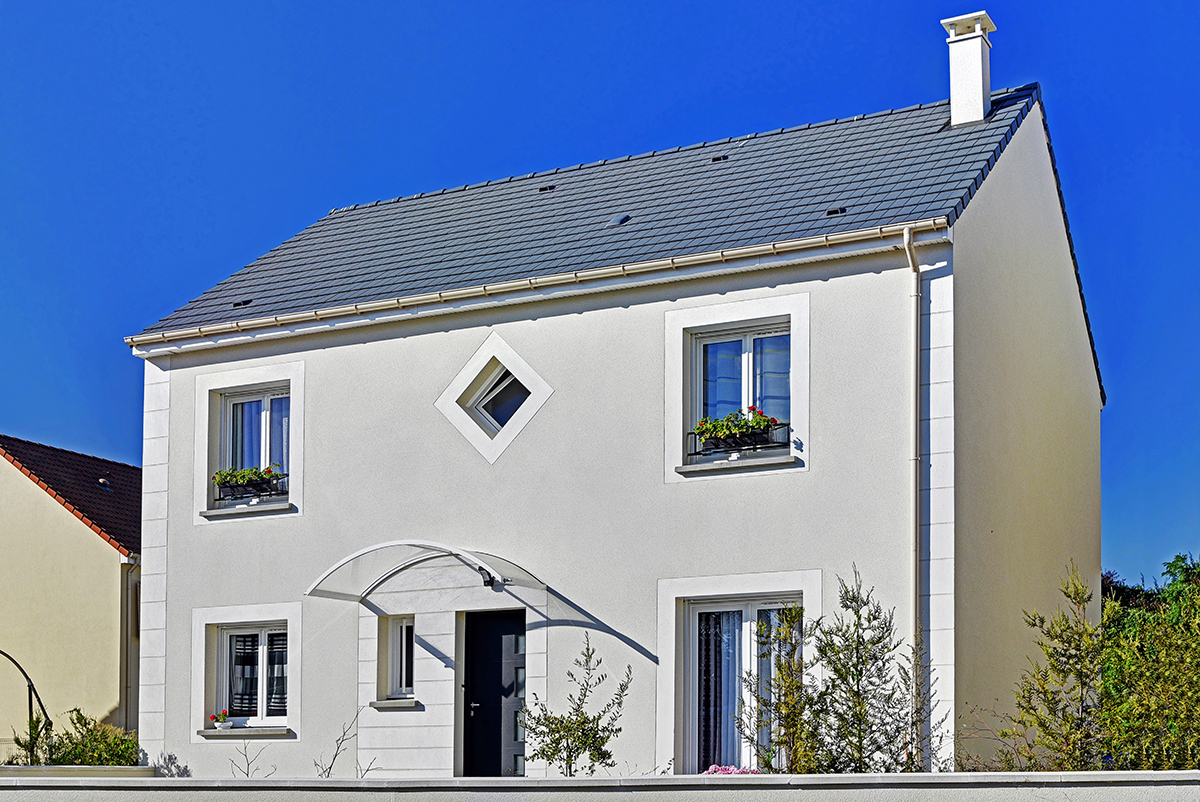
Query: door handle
(473, 705)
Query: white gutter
(511, 288)
(915, 565)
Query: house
(70, 535)
(478, 408)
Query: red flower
(774, 421)
(224, 712)
(268, 470)
(212, 718)
(752, 409)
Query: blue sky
(147, 151)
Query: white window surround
(675, 600)
(683, 325)
(211, 388)
(207, 623)
(450, 403)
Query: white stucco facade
(592, 494)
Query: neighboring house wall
(1027, 419)
(578, 499)
(64, 611)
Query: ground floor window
(253, 674)
(723, 648)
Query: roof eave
(507, 288)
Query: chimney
(970, 71)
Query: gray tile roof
(889, 167)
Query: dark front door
(494, 741)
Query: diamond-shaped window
(496, 399)
(493, 397)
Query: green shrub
(91, 743)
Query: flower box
(775, 436)
(275, 485)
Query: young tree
(577, 740)
(865, 702)
(782, 719)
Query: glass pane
(505, 403)
(408, 657)
(722, 379)
(519, 725)
(520, 681)
(772, 376)
(768, 652)
(243, 675)
(246, 435)
(519, 765)
(281, 413)
(519, 644)
(277, 674)
(719, 682)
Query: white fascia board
(452, 303)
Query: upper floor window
(744, 372)
(400, 656)
(255, 455)
(256, 430)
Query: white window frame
(265, 395)
(675, 599)
(209, 435)
(747, 334)
(749, 608)
(684, 328)
(398, 628)
(225, 663)
(496, 382)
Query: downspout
(915, 566)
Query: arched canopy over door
(355, 577)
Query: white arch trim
(356, 576)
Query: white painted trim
(524, 291)
(447, 403)
(611, 277)
(204, 617)
(681, 323)
(673, 597)
(228, 381)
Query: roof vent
(836, 210)
(716, 159)
(103, 482)
(241, 303)
(546, 188)
(618, 220)
(970, 67)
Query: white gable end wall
(1026, 418)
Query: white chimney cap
(979, 22)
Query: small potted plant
(736, 431)
(221, 720)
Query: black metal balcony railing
(776, 436)
(274, 487)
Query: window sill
(740, 464)
(247, 733)
(396, 704)
(248, 509)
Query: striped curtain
(277, 674)
(243, 676)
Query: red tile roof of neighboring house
(105, 495)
